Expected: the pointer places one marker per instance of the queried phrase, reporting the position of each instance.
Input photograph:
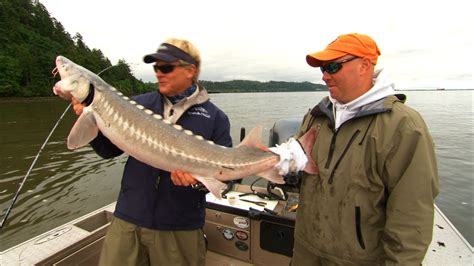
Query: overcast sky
(424, 44)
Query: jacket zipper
(331, 177)
(359, 227)
(331, 150)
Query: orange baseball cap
(356, 44)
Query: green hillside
(30, 40)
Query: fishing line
(31, 167)
(54, 72)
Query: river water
(65, 185)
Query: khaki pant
(128, 244)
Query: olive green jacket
(373, 199)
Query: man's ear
(191, 71)
(366, 65)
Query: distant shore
(52, 97)
(434, 89)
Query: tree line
(256, 86)
(30, 40)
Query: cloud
(422, 42)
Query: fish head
(75, 80)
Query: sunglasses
(165, 69)
(334, 67)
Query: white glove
(292, 157)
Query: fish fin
(253, 138)
(84, 130)
(213, 185)
(272, 175)
(307, 143)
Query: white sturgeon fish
(157, 142)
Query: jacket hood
(382, 88)
(173, 112)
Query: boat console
(256, 224)
(261, 235)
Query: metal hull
(79, 242)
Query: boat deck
(78, 243)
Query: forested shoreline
(30, 40)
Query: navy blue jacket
(147, 196)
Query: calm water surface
(65, 185)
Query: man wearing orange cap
(372, 201)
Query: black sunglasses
(165, 69)
(334, 67)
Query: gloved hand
(77, 106)
(180, 178)
(292, 157)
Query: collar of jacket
(173, 112)
(177, 98)
(324, 107)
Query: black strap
(88, 100)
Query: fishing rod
(31, 167)
(5, 216)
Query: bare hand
(77, 106)
(180, 178)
